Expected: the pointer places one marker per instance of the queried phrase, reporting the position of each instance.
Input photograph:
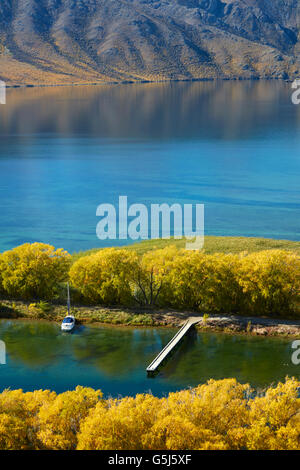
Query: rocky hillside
(75, 41)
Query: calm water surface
(114, 359)
(232, 146)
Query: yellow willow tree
(119, 424)
(274, 419)
(105, 276)
(201, 418)
(221, 414)
(187, 277)
(150, 281)
(18, 418)
(204, 282)
(13, 433)
(59, 420)
(33, 271)
(270, 281)
(224, 293)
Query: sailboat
(69, 321)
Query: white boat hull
(69, 324)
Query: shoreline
(140, 82)
(139, 317)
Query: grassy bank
(10, 309)
(212, 245)
(229, 324)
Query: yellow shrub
(120, 425)
(13, 433)
(207, 413)
(59, 420)
(266, 282)
(270, 281)
(260, 283)
(18, 418)
(105, 276)
(218, 415)
(177, 432)
(274, 418)
(150, 280)
(204, 282)
(33, 270)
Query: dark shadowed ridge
(76, 41)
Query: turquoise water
(232, 146)
(115, 359)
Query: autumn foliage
(33, 271)
(260, 283)
(221, 414)
(105, 276)
(266, 282)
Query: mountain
(76, 41)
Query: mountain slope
(75, 41)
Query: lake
(114, 359)
(233, 146)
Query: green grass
(116, 318)
(84, 314)
(212, 245)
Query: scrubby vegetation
(33, 271)
(263, 283)
(105, 276)
(218, 415)
(84, 314)
(212, 245)
(259, 283)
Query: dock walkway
(153, 367)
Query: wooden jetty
(167, 350)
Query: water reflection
(232, 146)
(32, 344)
(117, 352)
(220, 110)
(115, 359)
(259, 361)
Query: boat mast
(69, 301)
